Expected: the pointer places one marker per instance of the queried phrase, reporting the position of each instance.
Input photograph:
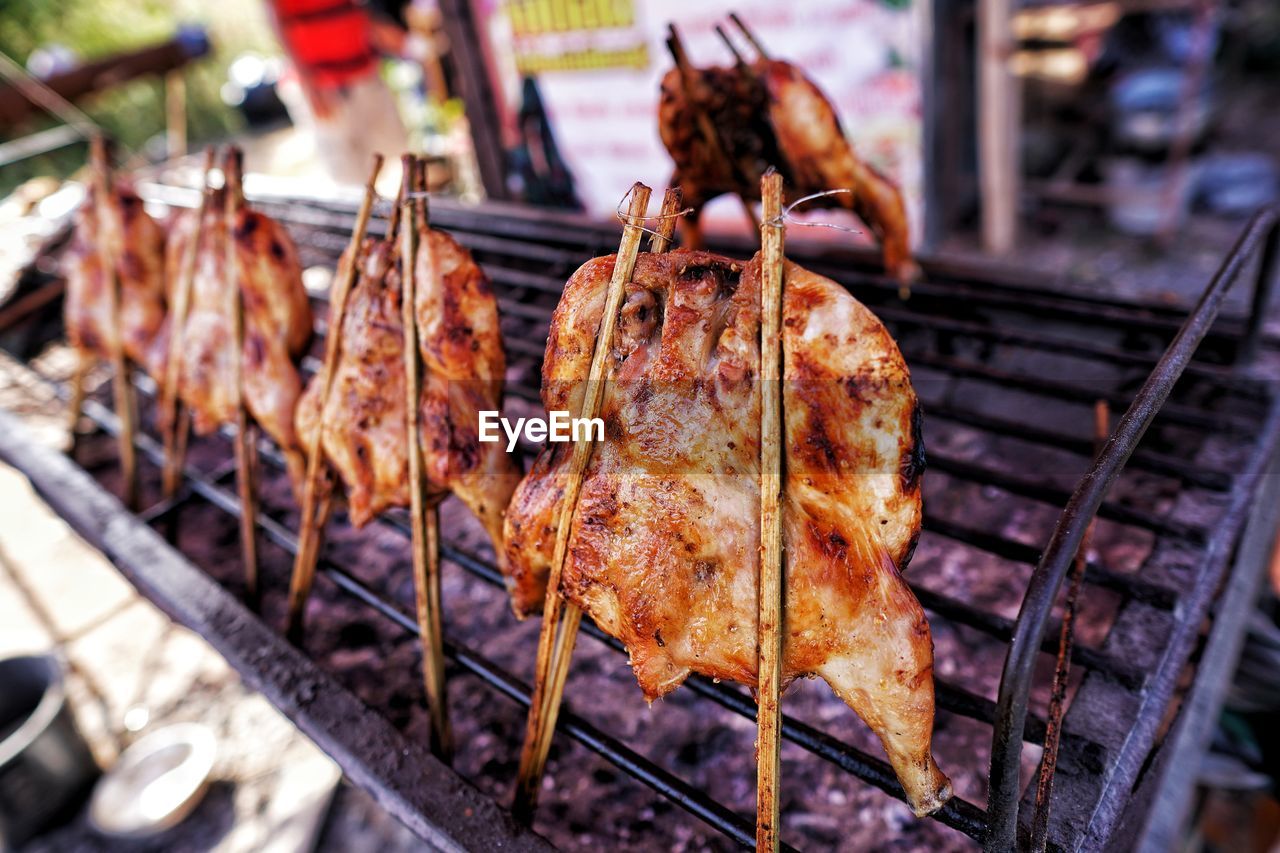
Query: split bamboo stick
(557, 638)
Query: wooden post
(999, 121)
(317, 486)
(246, 438)
(111, 237)
(770, 625)
(176, 426)
(424, 521)
(555, 648)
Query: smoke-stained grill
(1008, 375)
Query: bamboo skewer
(733, 48)
(660, 240)
(557, 637)
(771, 615)
(317, 488)
(750, 36)
(246, 438)
(110, 235)
(177, 425)
(1062, 670)
(424, 520)
(75, 402)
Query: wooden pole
(999, 112)
(770, 625)
(424, 521)
(175, 427)
(245, 442)
(555, 648)
(110, 241)
(317, 486)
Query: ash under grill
(1008, 375)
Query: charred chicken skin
(137, 245)
(277, 324)
(664, 547)
(769, 114)
(363, 424)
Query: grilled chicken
(277, 316)
(137, 244)
(724, 127)
(664, 548)
(461, 344)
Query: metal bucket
(46, 768)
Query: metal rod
(1062, 671)
(1263, 287)
(1046, 580)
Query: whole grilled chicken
(278, 323)
(769, 114)
(664, 550)
(138, 247)
(463, 367)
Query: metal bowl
(156, 782)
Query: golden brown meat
(137, 244)
(278, 324)
(463, 367)
(770, 114)
(664, 550)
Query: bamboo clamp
(561, 619)
(317, 491)
(424, 520)
(175, 419)
(110, 236)
(246, 430)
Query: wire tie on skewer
(785, 216)
(627, 219)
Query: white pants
(365, 119)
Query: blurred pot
(46, 768)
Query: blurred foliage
(132, 113)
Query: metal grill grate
(998, 358)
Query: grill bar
(1042, 591)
